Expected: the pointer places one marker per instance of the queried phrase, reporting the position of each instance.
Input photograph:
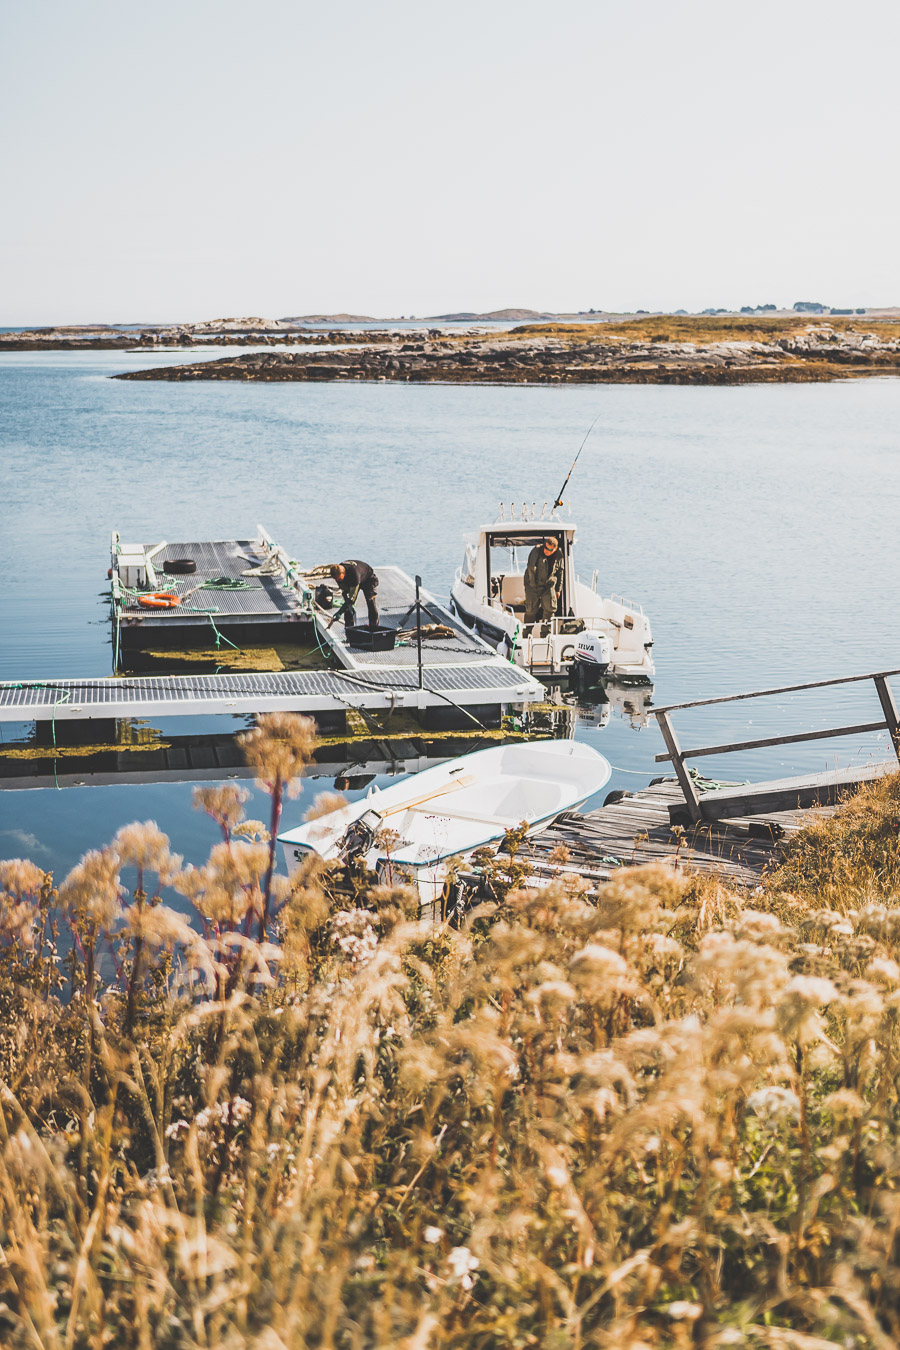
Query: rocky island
(654, 350)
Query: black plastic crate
(368, 639)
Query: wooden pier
(642, 827)
(814, 789)
(733, 830)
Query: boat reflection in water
(633, 703)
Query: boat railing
(627, 604)
(521, 514)
(678, 755)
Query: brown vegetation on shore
(654, 1114)
(655, 350)
(711, 328)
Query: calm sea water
(757, 526)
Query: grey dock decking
(259, 599)
(254, 609)
(638, 829)
(308, 691)
(396, 607)
(785, 794)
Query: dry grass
(852, 857)
(705, 328)
(659, 1114)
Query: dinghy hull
(409, 833)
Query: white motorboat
(409, 831)
(607, 635)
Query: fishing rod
(559, 500)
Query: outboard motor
(359, 836)
(593, 654)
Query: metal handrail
(674, 752)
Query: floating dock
(474, 691)
(448, 677)
(245, 591)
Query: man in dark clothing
(543, 581)
(353, 577)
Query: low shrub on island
(657, 1114)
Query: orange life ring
(159, 600)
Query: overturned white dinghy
(408, 832)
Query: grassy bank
(708, 328)
(658, 1114)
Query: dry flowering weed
(324, 804)
(653, 1114)
(279, 748)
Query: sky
(194, 159)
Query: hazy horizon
(354, 315)
(185, 163)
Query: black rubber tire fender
(179, 567)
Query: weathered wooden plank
(595, 836)
(637, 829)
(788, 793)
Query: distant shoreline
(659, 350)
(654, 349)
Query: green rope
(710, 784)
(227, 584)
(220, 638)
(64, 699)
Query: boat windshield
(509, 552)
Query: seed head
(224, 803)
(20, 879)
(91, 892)
(797, 1013)
(145, 846)
(600, 974)
(279, 748)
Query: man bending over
(353, 577)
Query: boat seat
(512, 589)
(508, 822)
